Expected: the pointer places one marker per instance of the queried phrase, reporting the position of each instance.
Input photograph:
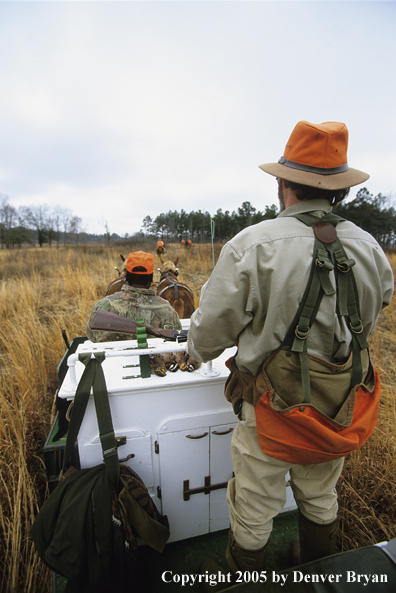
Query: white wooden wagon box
(176, 432)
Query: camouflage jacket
(133, 303)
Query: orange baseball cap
(316, 155)
(140, 262)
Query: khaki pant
(257, 493)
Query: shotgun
(106, 321)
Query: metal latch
(206, 489)
(120, 441)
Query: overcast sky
(118, 110)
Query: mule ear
(122, 257)
(162, 261)
(176, 261)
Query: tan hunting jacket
(258, 282)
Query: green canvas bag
(86, 530)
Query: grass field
(44, 291)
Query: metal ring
(354, 331)
(68, 411)
(299, 337)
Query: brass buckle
(321, 264)
(343, 268)
(306, 333)
(354, 330)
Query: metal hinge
(156, 447)
(158, 492)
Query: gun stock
(106, 321)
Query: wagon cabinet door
(195, 466)
(134, 452)
(220, 473)
(184, 464)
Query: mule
(119, 282)
(160, 250)
(179, 295)
(160, 247)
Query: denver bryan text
(350, 577)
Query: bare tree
(8, 218)
(61, 217)
(37, 217)
(66, 217)
(76, 227)
(107, 233)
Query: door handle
(130, 456)
(200, 436)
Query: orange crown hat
(141, 260)
(316, 155)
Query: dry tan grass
(367, 486)
(46, 290)
(42, 292)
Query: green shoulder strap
(328, 255)
(93, 377)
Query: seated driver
(136, 300)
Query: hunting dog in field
(179, 295)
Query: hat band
(310, 169)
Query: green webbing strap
(326, 257)
(93, 377)
(311, 219)
(306, 315)
(344, 265)
(324, 265)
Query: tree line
(201, 227)
(37, 224)
(374, 214)
(42, 224)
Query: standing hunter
(136, 300)
(299, 295)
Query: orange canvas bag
(307, 409)
(304, 434)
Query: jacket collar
(127, 287)
(308, 206)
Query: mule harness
(174, 284)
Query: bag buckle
(324, 264)
(358, 329)
(302, 335)
(346, 265)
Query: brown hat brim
(343, 180)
